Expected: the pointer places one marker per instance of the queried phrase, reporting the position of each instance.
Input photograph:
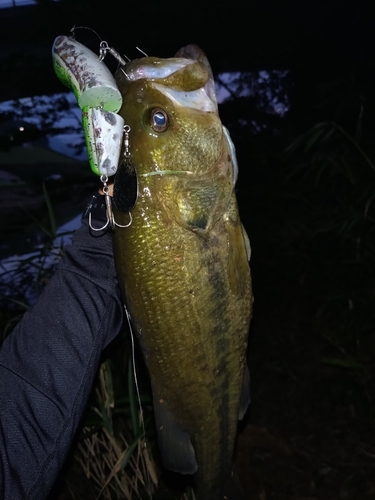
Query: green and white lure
(94, 86)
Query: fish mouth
(151, 68)
(186, 79)
(195, 53)
(196, 99)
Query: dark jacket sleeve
(48, 364)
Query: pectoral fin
(245, 395)
(175, 446)
(197, 203)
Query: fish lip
(157, 69)
(196, 99)
(209, 88)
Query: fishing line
(104, 47)
(134, 369)
(141, 51)
(84, 28)
(138, 393)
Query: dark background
(305, 191)
(307, 37)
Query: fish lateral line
(167, 172)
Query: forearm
(48, 363)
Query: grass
(112, 457)
(23, 277)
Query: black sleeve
(48, 363)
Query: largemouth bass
(183, 264)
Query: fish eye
(159, 120)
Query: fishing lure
(94, 86)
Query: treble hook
(109, 212)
